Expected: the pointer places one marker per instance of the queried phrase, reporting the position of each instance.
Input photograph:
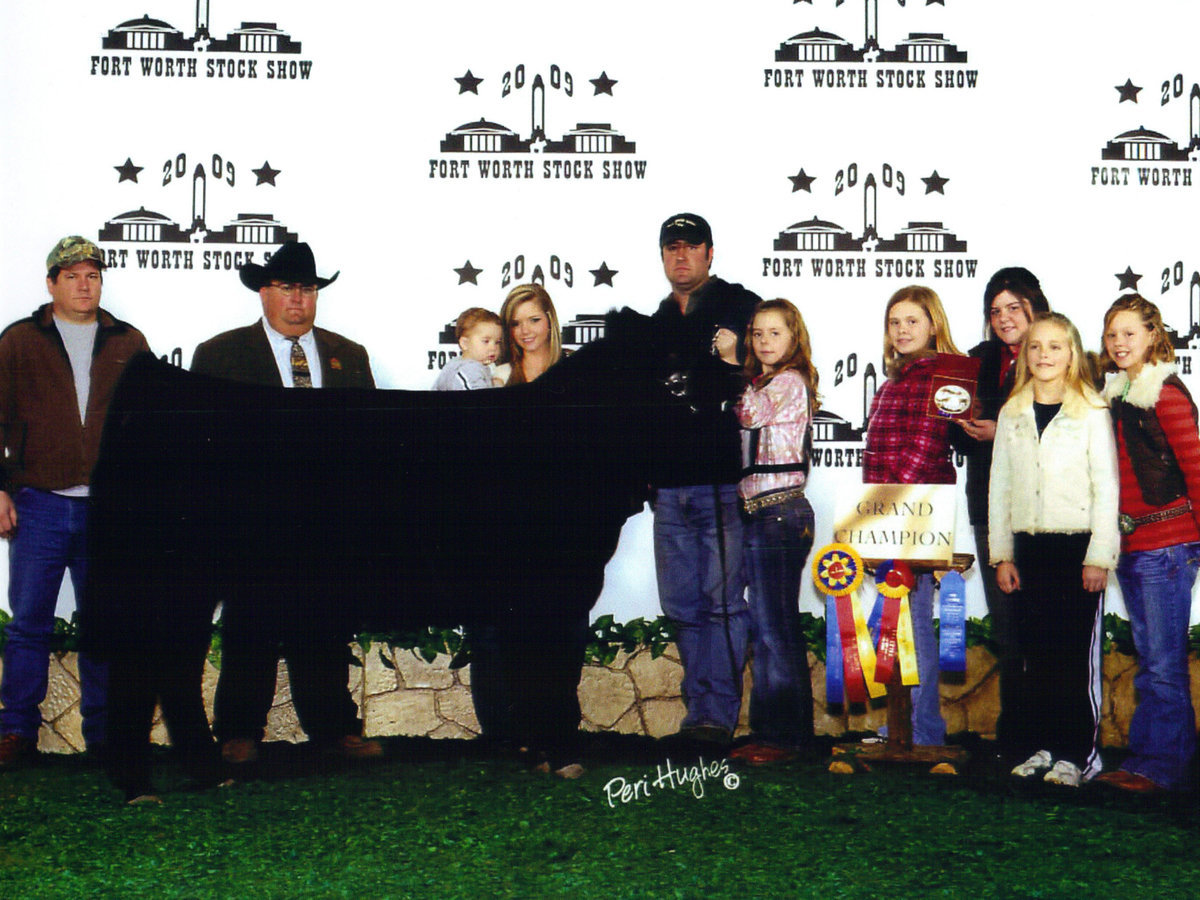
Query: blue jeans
(927, 723)
(778, 541)
(1157, 585)
(705, 599)
(51, 538)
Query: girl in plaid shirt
(906, 446)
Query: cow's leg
(181, 676)
(318, 670)
(246, 686)
(491, 687)
(546, 689)
(133, 673)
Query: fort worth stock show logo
(922, 250)
(817, 59)
(552, 271)
(1170, 288)
(1146, 159)
(483, 149)
(153, 48)
(145, 238)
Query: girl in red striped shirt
(1155, 422)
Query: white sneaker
(1065, 773)
(1039, 762)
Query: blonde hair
(1160, 349)
(798, 356)
(928, 300)
(513, 352)
(1080, 378)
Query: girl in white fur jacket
(1052, 521)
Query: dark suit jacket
(244, 354)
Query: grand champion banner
(439, 155)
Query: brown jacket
(45, 445)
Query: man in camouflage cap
(58, 368)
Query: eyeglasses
(308, 291)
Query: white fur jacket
(1144, 391)
(1064, 482)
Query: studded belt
(754, 504)
(1129, 524)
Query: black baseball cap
(685, 227)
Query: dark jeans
(51, 538)
(703, 593)
(1157, 585)
(777, 542)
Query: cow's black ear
(628, 332)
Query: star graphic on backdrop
(603, 84)
(604, 275)
(128, 170)
(1129, 91)
(266, 175)
(931, 2)
(802, 182)
(935, 182)
(468, 273)
(469, 82)
(1129, 279)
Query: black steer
(345, 510)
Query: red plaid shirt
(904, 445)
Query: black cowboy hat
(292, 263)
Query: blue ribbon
(834, 690)
(952, 641)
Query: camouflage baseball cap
(74, 249)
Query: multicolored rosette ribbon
(850, 653)
(893, 581)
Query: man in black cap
(284, 349)
(697, 524)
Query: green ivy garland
(608, 638)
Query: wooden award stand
(898, 748)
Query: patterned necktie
(300, 374)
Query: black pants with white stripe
(1056, 640)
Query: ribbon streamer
(952, 640)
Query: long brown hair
(928, 300)
(512, 351)
(799, 355)
(1160, 349)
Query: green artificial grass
(444, 819)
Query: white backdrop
(998, 154)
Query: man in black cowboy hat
(266, 352)
(284, 349)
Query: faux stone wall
(400, 694)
